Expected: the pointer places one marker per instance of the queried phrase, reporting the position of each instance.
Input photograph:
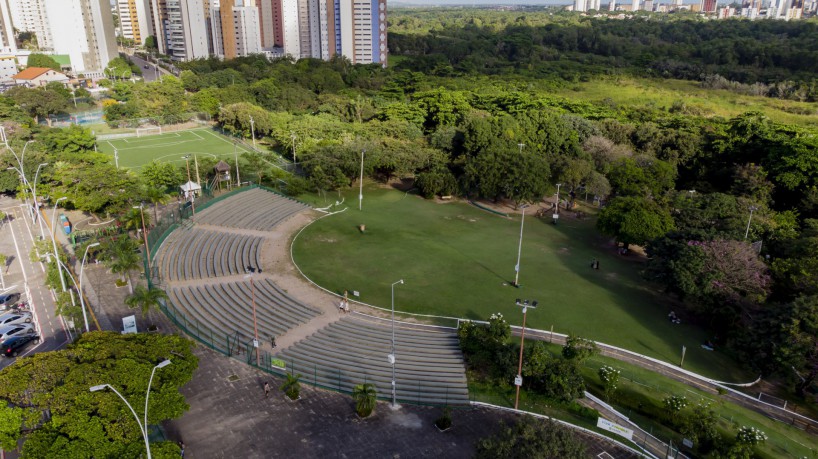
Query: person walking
(266, 389)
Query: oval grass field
(458, 261)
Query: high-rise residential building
(135, 20)
(612, 5)
(84, 30)
(31, 16)
(181, 28)
(236, 29)
(709, 6)
(8, 40)
(635, 5)
(579, 5)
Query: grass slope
(459, 261)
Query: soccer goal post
(141, 132)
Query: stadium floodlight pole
(36, 202)
(361, 184)
(82, 301)
(391, 356)
(295, 161)
(518, 380)
(191, 196)
(236, 153)
(142, 430)
(749, 220)
(521, 145)
(251, 271)
(141, 208)
(253, 130)
(519, 251)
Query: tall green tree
(634, 220)
(41, 60)
(532, 438)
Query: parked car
(11, 318)
(9, 331)
(8, 299)
(12, 346)
(147, 66)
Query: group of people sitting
(673, 318)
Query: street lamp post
(749, 220)
(36, 202)
(136, 416)
(518, 381)
(54, 240)
(161, 364)
(116, 158)
(391, 356)
(236, 154)
(521, 145)
(143, 428)
(361, 184)
(253, 130)
(558, 197)
(82, 301)
(292, 135)
(519, 251)
(252, 270)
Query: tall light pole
(36, 202)
(236, 154)
(521, 145)
(252, 270)
(253, 131)
(518, 381)
(295, 161)
(141, 208)
(161, 364)
(558, 197)
(391, 357)
(191, 194)
(82, 301)
(749, 220)
(116, 158)
(54, 240)
(361, 184)
(519, 251)
(142, 430)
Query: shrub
(445, 419)
(750, 436)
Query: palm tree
(131, 219)
(365, 397)
(146, 299)
(156, 196)
(292, 387)
(122, 258)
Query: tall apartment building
(709, 6)
(84, 30)
(8, 40)
(181, 28)
(135, 20)
(31, 16)
(236, 29)
(635, 5)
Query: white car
(7, 331)
(11, 318)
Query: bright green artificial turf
(134, 152)
(459, 261)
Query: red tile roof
(30, 73)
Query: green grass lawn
(459, 261)
(134, 152)
(663, 93)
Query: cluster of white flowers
(609, 375)
(750, 435)
(497, 316)
(675, 403)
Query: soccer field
(134, 152)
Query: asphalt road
(152, 73)
(18, 232)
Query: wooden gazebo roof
(222, 166)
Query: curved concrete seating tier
(226, 308)
(255, 209)
(198, 253)
(429, 365)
